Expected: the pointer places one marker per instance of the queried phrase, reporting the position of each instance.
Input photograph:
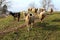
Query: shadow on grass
(46, 26)
(52, 27)
(50, 13)
(38, 24)
(56, 20)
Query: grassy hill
(48, 30)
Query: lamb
(15, 15)
(42, 15)
(29, 20)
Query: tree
(1, 2)
(4, 9)
(4, 4)
(46, 4)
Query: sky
(20, 5)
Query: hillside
(48, 30)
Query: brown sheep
(15, 15)
(50, 11)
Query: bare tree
(1, 2)
(44, 3)
(47, 4)
(4, 4)
(3, 7)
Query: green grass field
(48, 30)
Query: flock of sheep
(31, 16)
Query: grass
(9, 22)
(48, 30)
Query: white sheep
(42, 15)
(29, 20)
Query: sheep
(23, 14)
(30, 9)
(42, 15)
(29, 20)
(50, 11)
(35, 12)
(15, 15)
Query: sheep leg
(28, 27)
(18, 18)
(14, 18)
(42, 18)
